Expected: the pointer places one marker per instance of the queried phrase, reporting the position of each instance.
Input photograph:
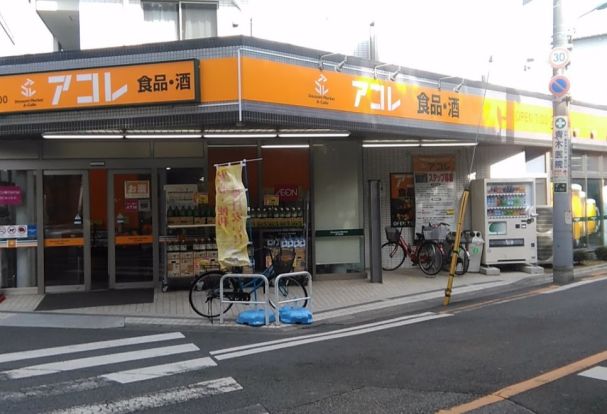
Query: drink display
(507, 200)
(504, 211)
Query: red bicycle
(425, 253)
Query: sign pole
(562, 250)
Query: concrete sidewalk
(331, 299)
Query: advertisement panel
(402, 200)
(231, 216)
(435, 193)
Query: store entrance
(98, 229)
(121, 228)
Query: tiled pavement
(331, 298)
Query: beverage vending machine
(504, 210)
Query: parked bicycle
(424, 253)
(204, 291)
(445, 238)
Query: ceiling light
(162, 136)
(240, 133)
(286, 146)
(81, 136)
(312, 134)
(391, 145)
(448, 144)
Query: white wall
(28, 33)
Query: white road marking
(327, 336)
(69, 349)
(599, 373)
(157, 371)
(387, 303)
(73, 364)
(298, 338)
(59, 388)
(123, 377)
(574, 285)
(157, 399)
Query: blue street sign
(559, 85)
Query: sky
(449, 37)
(456, 38)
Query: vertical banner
(231, 217)
(402, 200)
(434, 190)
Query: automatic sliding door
(133, 237)
(65, 258)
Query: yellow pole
(454, 252)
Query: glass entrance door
(132, 259)
(66, 252)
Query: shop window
(179, 20)
(17, 229)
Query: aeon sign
(287, 192)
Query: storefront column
(40, 230)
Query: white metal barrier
(279, 302)
(245, 286)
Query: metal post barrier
(375, 232)
(265, 301)
(276, 292)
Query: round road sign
(559, 85)
(559, 57)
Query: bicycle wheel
(204, 294)
(392, 255)
(289, 289)
(463, 261)
(429, 258)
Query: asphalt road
(531, 348)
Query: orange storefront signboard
(101, 87)
(129, 240)
(287, 84)
(64, 242)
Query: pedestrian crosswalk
(76, 360)
(599, 373)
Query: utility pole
(562, 250)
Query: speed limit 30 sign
(559, 57)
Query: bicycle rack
(276, 292)
(265, 302)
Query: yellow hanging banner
(231, 216)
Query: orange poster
(231, 217)
(100, 87)
(402, 200)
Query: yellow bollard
(455, 250)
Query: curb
(409, 303)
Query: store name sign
(154, 83)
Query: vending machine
(504, 210)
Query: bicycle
(204, 292)
(445, 240)
(424, 253)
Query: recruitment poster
(435, 193)
(402, 200)
(231, 217)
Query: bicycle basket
(392, 234)
(282, 260)
(435, 232)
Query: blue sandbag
(299, 315)
(254, 317)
